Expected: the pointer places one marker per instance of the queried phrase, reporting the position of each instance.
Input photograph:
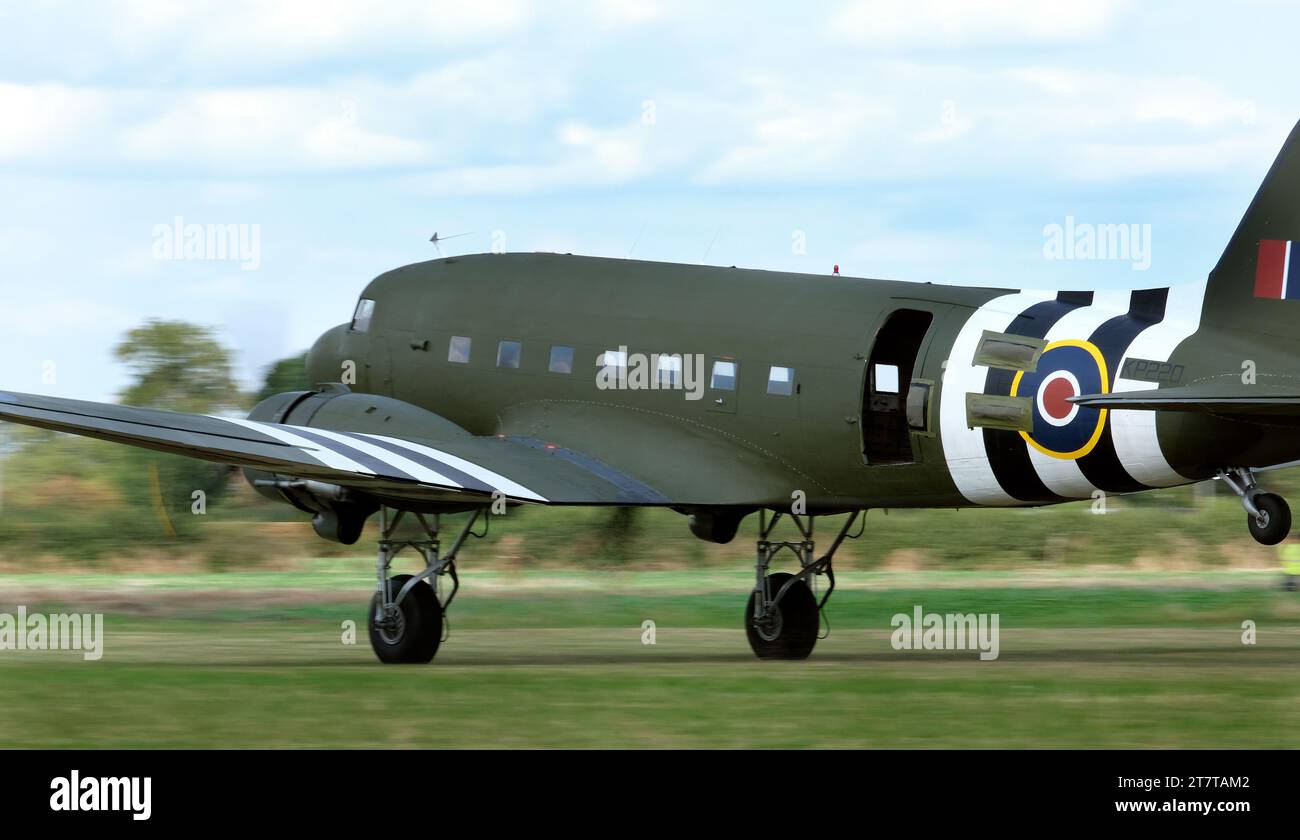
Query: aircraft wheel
(416, 631)
(1274, 520)
(791, 631)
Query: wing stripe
(494, 481)
(379, 466)
(411, 466)
(328, 457)
(393, 445)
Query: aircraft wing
(1212, 399)
(522, 466)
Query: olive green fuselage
(823, 328)
(820, 326)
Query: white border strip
(488, 477)
(328, 457)
(417, 471)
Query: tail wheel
(789, 631)
(412, 634)
(1273, 523)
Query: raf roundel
(1066, 369)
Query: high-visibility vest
(1290, 552)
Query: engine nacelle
(717, 525)
(339, 513)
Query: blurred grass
(285, 685)
(715, 704)
(605, 600)
(540, 660)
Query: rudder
(1256, 269)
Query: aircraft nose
(327, 356)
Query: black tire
(419, 633)
(1274, 522)
(797, 622)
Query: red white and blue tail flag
(1277, 273)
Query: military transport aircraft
(468, 384)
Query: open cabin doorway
(886, 433)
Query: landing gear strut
(783, 616)
(1268, 516)
(407, 611)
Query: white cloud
(279, 128)
(289, 31)
(461, 109)
(1118, 99)
(54, 317)
(619, 13)
(230, 192)
(42, 118)
(885, 120)
(495, 88)
(528, 116)
(796, 135)
(948, 24)
(1117, 161)
(580, 157)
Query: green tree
(285, 375)
(178, 367)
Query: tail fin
(1258, 270)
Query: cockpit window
(361, 320)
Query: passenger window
(561, 359)
(361, 319)
(670, 371)
(612, 359)
(886, 377)
(724, 376)
(458, 349)
(780, 381)
(508, 353)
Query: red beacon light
(836, 269)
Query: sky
(926, 140)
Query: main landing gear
(783, 617)
(407, 612)
(1267, 514)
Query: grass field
(555, 659)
